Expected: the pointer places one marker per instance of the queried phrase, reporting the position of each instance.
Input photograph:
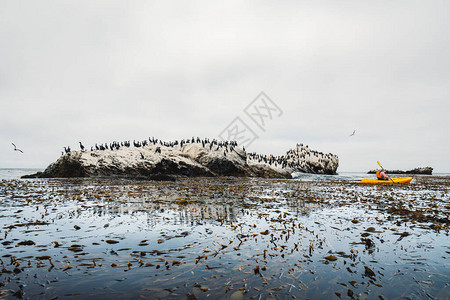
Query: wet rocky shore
(227, 238)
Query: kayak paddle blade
(378, 162)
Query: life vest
(379, 175)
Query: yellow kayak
(394, 180)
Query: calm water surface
(224, 238)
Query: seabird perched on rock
(16, 149)
(81, 146)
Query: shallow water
(16, 173)
(226, 238)
(345, 176)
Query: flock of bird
(206, 143)
(294, 158)
(116, 146)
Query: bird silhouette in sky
(353, 133)
(16, 149)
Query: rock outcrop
(191, 159)
(300, 159)
(419, 171)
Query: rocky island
(418, 171)
(155, 159)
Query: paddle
(378, 162)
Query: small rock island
(155, 159)
(416, 171)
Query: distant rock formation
(421, 171)
(197, 158)
(300, 159)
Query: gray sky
(99, 71)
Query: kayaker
(381, 175)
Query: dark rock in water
(161, 162)
(67, 166)
(419, 171)
(266, 172)
(225, 167)
(35, 175)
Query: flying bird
(16, 149)
(353, 133)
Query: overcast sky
(103, 71)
